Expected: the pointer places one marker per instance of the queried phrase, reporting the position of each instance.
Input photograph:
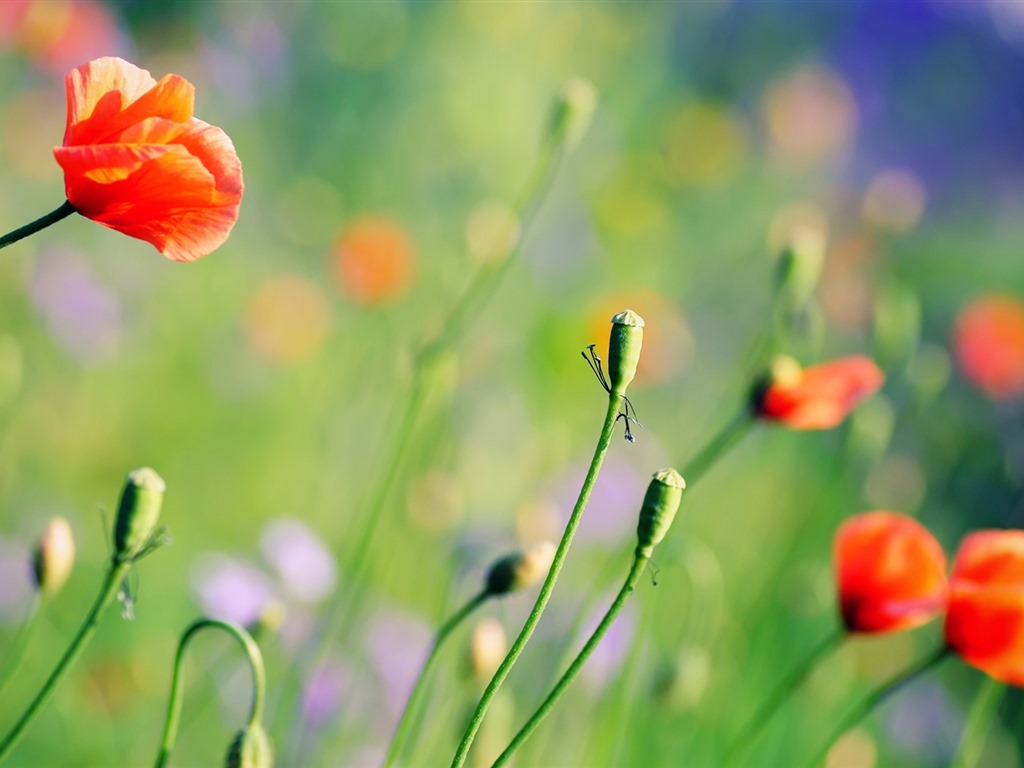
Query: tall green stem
(979, 720)
(716, 447)
(785, 688)
(875, 698)
(63, 211)
(115, 573)
(259, 684)
(402, 731)
(603, 442)
(639, 564)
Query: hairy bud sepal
(627, 338)
(520, 569)
(137, 513)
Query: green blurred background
(264, 382)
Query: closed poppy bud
(137, 512)
(817, 397)
(624, 346)
(661, 502)
(250, 749)
(890, 573)
(573, 112)
(985, 617)
(54, 557)
(520, 570)
(137, 161)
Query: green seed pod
(573, 112)
(624, 349)
(138, 512)
(520, 570)
(659, 509)
(250, 749)
(54, 557)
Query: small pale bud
(250, 749)
(487, 648)
(573, 112)
(270, 619)
(799, 266)
(521, 569)
(659, 509)
(138, 512)
(624, 349)
(54, 557)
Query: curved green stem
(17, 652)
(716, 447)
(875, 698)
(979, 720)
(111, 583)
(639, 564)
(259, 683)
(549, 583)
(63, 211)
(402, 731)
(748, 734)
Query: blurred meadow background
(383, 146)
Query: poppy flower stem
(259, 681)
(979, 720)
(875, 698)
(111, 583)
(62, 212)
(748, 734)
(406, 723)
(635, 572)
(716, 447)
(549, 583)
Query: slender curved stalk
(637, 569)
(259, 684)
(748, 734)
(875, 698)
(716, 447)
(979, 720)
(603, 442)
(111, 583)
(63, 211)
(17, 652)
(403, 729)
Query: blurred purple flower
(396, 643)
(324, 691)
(924, 720)
(82, 315)
(17, 585)
(230, 589)
(306, 568)
(614, 646)
(611, 515)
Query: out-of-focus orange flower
(59, 34)
(817, 397)
(135, 160)
(985, 618)
(373, 260)
(988, 339)
(890, 573)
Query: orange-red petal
(988, 339)
(890, 573)
(985, 619)
(821, 396)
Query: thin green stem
(637, 569)
(875, 698)
(259, 681)
(403, 730)
(785, 688)
(716, 447)
(979, 721)
(17, 652)
(63, 211)
(603, 442)
(111, 583)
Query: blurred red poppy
(989, 342)
(890, 573)
(985, 619)
(817, 397)
(135, 160)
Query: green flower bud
(54, 557)
(624, 349)
(250, 749)
(520, 570)
(799, 267)
(573, 112)
(659, 509)
(138, 512)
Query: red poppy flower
(985, 619)
(989, 342)
(817, 397)
(135, 160)
(890, 573)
